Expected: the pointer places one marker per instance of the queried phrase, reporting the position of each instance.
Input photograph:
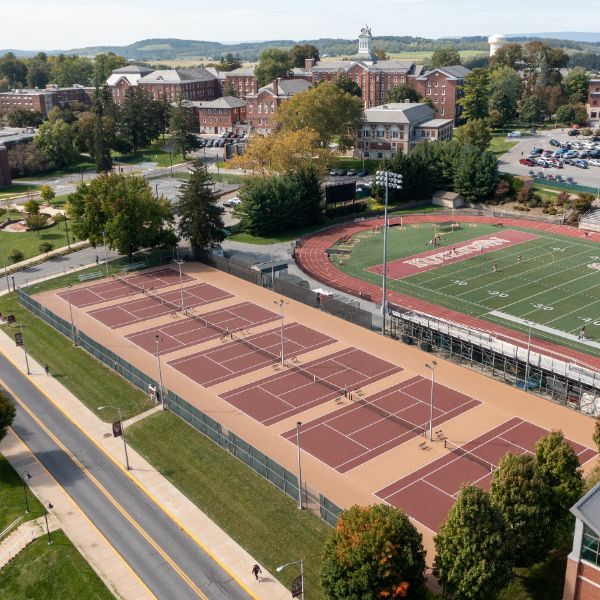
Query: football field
(541, 280)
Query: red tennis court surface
(292, 391)
(355, 434)
(149, 307)
(256, 351)
(115, 288)
(428, 494)
(191, 331)
(405, 267)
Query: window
(367, 133)
(394, 134)
(380, 155)
(259, 108)
(590, 546)
(272, 107)
(402, 79)
(380, 134)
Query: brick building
(262, 106)
(223, 115)
(593, 102)
(242, 81)
(120, 80)
(189, 84)
(582, 581)
(44, 100)
(399, 127)
(444, 86)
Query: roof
(452, 71)
(224, 102)
(177, 76)
(214, 71)
(287, 87)
(133, 70)
(588, 509)
(131, 78)
(333, 65)
(400, 112)
(436, 123)
(241, 72)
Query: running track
(311, 257)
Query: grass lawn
(287, 236)
(500, 144)
(84, 376)
(83, 165)
(153, 153)
(57, 571)
(28, 242)
(12, 498)
(552, 286)
(259, 517)
(17, 189)
(347, 162)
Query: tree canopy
(348, 85)
(300, 52)
(374, 552)
(475, 132)
(445, 57)
(401, 93)
(7, 412)
(55, 139)
(476, 89)
(273, 63)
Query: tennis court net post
(469, 455)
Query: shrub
(15, 256)
(45, 247)
(562, 198)
(586, 131)
(346, 209)
(525, 194)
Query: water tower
(496, 42)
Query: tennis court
(113, 289)
(151, 306)
(298, 388)
(191, 331)
(428, 494)
(249, 353)
(371, 426)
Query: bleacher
(591, 220)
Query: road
(167, 560)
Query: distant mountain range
(153, 50)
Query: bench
(90, 276)
(134, 266)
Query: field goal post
(446, 226)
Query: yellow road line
(111, 499)
(136, 482)
(30, 451)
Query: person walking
(47, 369)
(494, 266)
(256, 571)
(97, 259)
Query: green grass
(228, 177)
(252, 511)
(347, 162)
(43, 572)
(552, 286)
(12, 498)
(17, 190)
(499, 144)
(28, 242)
(153, 153)
(287, 236)
(83, 164)
(84, 376)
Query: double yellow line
(113, 501)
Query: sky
(66, 24)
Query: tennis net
(175, 306)
(460, 451)
(140, 289)
(386, 414)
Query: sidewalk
(183, 511)
(34, 260)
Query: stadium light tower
(388, 179)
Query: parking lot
(509, 162)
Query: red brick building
(223, 115)
(593, 102)
(444, 86)
(262, 106)
(122, 79)
(189, 84)
(242, 81)
(582, 581)
(44, 100)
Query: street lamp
(281, 303)
(295, 562)
(432, 367)
(69, 286)
(158, 340)
(105, 253)
(179, 263)
(388, 179)
(48, 506)
(122, 432)
(24, 476)
(298, 425)
(24, 348)
(526, 386)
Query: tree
(32, 207)
(15, 256)
(348, 85)
(474, 132)
(13, 69)
(140, 118)
(444, 57)
(45, 247)
(559, 470)
(200, 217)
(104, 65)
(300, 52)
(331, 112)
(576, 85)
(103, 109)
(56, 141)
(565, 114)
(524, 499)
(476, 174)
(380, 53)
(596, 435)
(374, 552)
(505, 90)
(529, 110)
(7, 413)
(35, 222)
(273, 63)
(69, 70)
(47, 194)
(510, 55)
(476, 89)
(126, 209)
(474, 548)
(229, 62)
(401, 93)
(228, 89)
(182, 126)
(25, 118)
(27, 159)
(38, 71)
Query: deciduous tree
(444, 57)
(25, 118)
(35, 222)
(401, 93)
(577, 85)
(56, 141)
(300, 52)
(273, 63)
(7, 413)
(47, 194)
(476, 89)
(182, 126)
(474, 132)
(104, 65)
(529, 110)
(348, 85)
(67, 70)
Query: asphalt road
(169, 562)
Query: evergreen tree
(529, 110)
(182, 127)
(200, 217)
(476, 174)
(475, 132)
(101, 108)
(140, 121)
(476, 89)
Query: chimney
(309, 63)
(275, 86)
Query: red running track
(311, 257)
(355, 434)
(428, 494)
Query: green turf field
(552, 287)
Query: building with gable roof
(120, 80)
(242, 81)
(223, 115)
(175, 84)
(443, 85)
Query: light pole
(105, 253)
(298, 425)
(295, 562)
(179, 263)
(525, 387)
(122, 432)
(24, 476)
(67, 231)
(281, 303)
(6, 274)
(69, 286)
(388, 179)
(24, 349)
(432, 367)
(158, 340)
(48, 506)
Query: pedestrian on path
(256, 571)
(494, 266)
(47, 369)
(96, 259)
(581, 335)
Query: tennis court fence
(259, 462)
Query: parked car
(582, 164)
(231, 202)
(570, 180)
(526, 161)
(210, 143)
(554, 143)
(351, 173)
(573, 132)
(514, 134)
(559, 178)
(362, 174)
(536, 150)
(333, 172)
(594, 162)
